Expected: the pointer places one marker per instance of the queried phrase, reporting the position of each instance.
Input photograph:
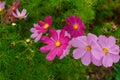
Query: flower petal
(79, 41)
(46, 48)
(78, 53)
(41, 23)
(48, 20)
(96, 62)
(51, 56)
(46, 40)
(53, 34)
(102, 40)
(18, 13)
(107, 61)
(34, 35)
(114, 50)
(38, 38)
(23, 12)
(91, 37)
(115, 58)
(96, 50)
(32, 30)
(111, 41)
(86, 59)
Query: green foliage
(21, 59)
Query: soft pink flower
(41, 28)
(36, 34)
(20, 15)
(109, 49)
(75, 26)
(87, 49)
(2, 5)
(57, 44)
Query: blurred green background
(22, 60)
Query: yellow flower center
(20, 16)
(105, 50)
(88, 48)
(46, 26)
(57, 43)
(1, 10)
(13, 8)
(75, 27)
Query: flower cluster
(11, 14)
(100, 50)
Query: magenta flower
(87, 49)
(47, 23)
(39, 30)
(2, 5)
(57, 44)
(109, 49)
(14, 6)
(75, 26)
(20, 15)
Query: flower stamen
(88, 48)
(46, 26)
(57, 43)
(75, 27)
(105, 50)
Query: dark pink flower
(75, 26)
(41, 28)
(47, 23)
(14, 6)
(57, 44)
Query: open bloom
(109, 49)
(39, 30)
(75, 26)
(87, 49)
(57, 44)
(2, 5)
(20, 15)
(47, 23)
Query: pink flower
(47, 23)
(75, 26)
(14, 6)
(87, 49)
(36, 33)
(20, 15)
(57, 44)
(41, 28)
(109, 49)
(2, 5)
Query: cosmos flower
(20, 15)
(87, 49)
(2, 5)
(57, 44)
(41, 28)
(75, 26)
(109, 49)
(36, 33)
(47, 23)
(14, 6)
